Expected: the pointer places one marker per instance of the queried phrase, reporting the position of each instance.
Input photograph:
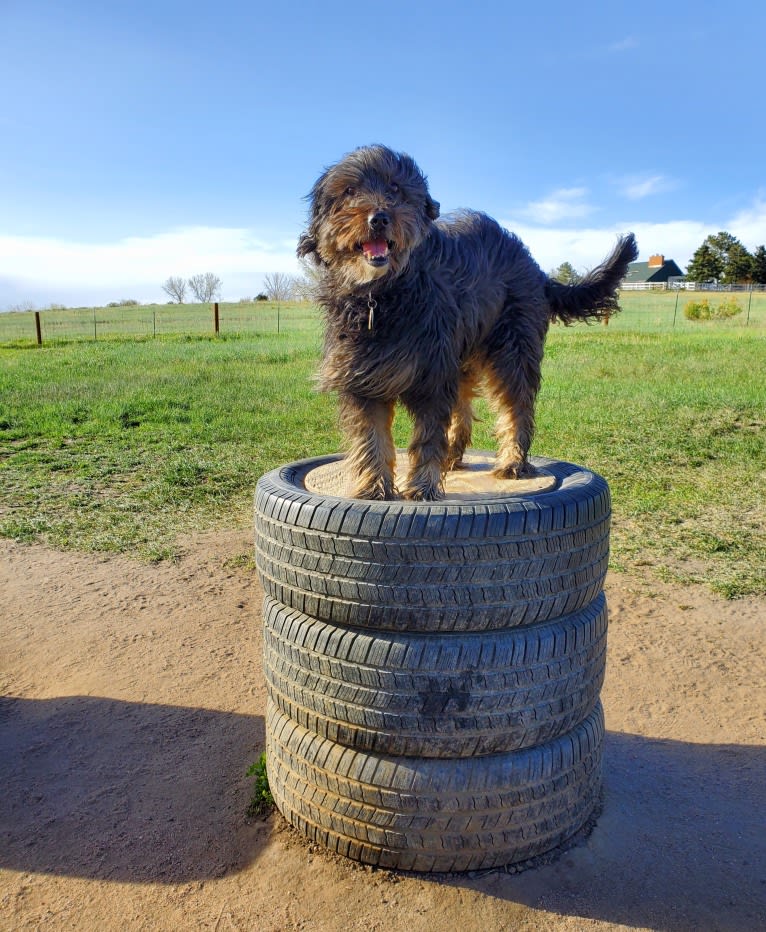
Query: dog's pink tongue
(375, 247)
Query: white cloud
(629, 42)
(637, 187)
(585, 247)
(41, 270)
(749, 225)
(561, 204)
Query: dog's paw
(427, 492)
(381, 490)
(524, 470)
(454, 462)
(423, 495)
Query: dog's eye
(394, 187)
(350, 191)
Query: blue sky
(147, 139)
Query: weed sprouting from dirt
(261, 801)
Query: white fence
(676, 285)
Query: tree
(306, 285)
(304, 289)
(737, 261)
(175, 288)
(566, 274)
(720, 258)
(759, 265)
(739, 265)
(278, 286)
(706, 264)
(205, 287)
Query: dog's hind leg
(461, 426)
(371, 457)
(513, 385)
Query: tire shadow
(680, 843)
(105, 789)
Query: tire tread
(435, 695)
(419, 814)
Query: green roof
(640, 272)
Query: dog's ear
(432, 208)
(307, 246)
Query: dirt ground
(133, 704)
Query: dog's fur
(420, 311)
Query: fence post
(40, 333)
(95, 325)
(216, 322)
(675, 309)
(749, 302)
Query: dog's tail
(595, 297)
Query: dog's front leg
(371, 457)
(428, 454)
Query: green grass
(157, 320)
(122, 445)
(261, 801)
(677, 425)
(650, 311)
(125, 445)
(663, 311)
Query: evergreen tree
(566, 274)
(759, 266)
(720, 258)
(739, 265)
(706, 265)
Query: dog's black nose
(379, 221)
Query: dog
(421, 310)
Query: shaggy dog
(422, 311)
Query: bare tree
(278, 286)
(175, 288)
(303, 289)
(306, 285)
(205, 287)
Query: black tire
(429, 814)
(462, 565)
(436, 695)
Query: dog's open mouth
(376, 251)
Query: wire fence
(687, 311)
(675, 284)
(641, 311)
(156, 320)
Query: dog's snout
(379, 221)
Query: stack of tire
(434, 669)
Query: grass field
(663, 311)
(158, 320)
(123, 445)
(649, 311)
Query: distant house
(656, 273)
